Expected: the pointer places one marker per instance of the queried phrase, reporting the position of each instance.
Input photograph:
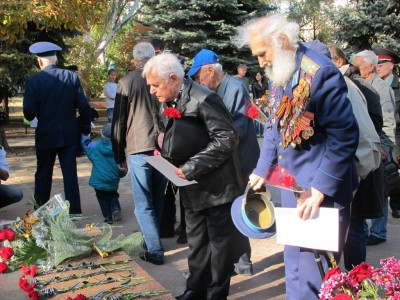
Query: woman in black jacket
(258, 89)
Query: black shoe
(373, 240)
(108, 220)
(395, 213)
(146, 256)
(182, 239)
(192, 295)
(117, 216)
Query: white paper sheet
(320, 233)
(167, 169)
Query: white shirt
(110, 90)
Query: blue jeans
(109, 202)
(148, 187)
(110, 112)
(379, 225)
(9, 195)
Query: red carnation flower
(78, 297)
(287, 181)
(6, 253)
(3, 267)
(253, 112)
(171, 112)
(331, 272)
(9, 234)
(360, 272)
(33, 271)
(25, 269)
(342, 296)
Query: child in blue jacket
(105, 175)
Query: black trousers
(44, 175)
(210, 260)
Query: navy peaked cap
(44, 49)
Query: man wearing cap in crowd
(207, 71)
(312, 134)
(387, 59)
(53, 96)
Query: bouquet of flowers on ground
(50, 236)
(363, 282)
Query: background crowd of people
(351, 107)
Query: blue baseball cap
(204, 57)
(43, 49)
(253, 215)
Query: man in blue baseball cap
(54, 96)
(207, 71)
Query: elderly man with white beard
(312, 134)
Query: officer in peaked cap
(385, 69)
(44, 49)
(53, 96)
(386, 55)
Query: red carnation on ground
(25, 270)
(78, 297)
(6, 253)
(9, 234)
(33, 271)
(171, 112)
(360, 272)
(253, 112)
(3, 267)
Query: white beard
(282, 67)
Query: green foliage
(312, 19)
(366, 24)
(188, 26)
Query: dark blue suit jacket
(53, 95)
(326, 160)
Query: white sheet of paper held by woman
(320, 233)
(168, 170)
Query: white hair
(368, 56)
(164, 65)
(270, 27)
(143, 51)
(49, 59)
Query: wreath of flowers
(172, 113)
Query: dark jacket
(235, 98)
(215, 167)
(53, 95)
(259, 90)
(135, 117)
(324, 160)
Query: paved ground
(267, 283)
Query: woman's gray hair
(164, 65)
(143, 51)
(270, 28)
(368, 56)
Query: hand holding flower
(256, 182)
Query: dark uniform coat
(322, 158)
